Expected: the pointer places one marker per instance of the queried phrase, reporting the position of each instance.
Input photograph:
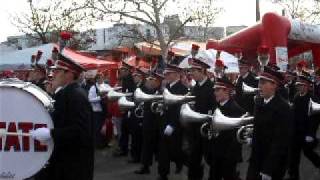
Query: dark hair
(97, 77)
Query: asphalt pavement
(108, 167)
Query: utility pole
(257, 10)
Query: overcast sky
(236, 12)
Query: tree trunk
(43, 39)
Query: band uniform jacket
(128, 84)
(73, 154)
(150, 120)
(225, 144)
(271, 138)
(304, 125)
(205, 99)
(291, 89)
(316, 92)
(246, 101)
(302, 121)
(172, 112)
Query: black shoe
(162, 178)
(143, 170)
(133, 161)
(178, 169)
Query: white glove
(168, 131)
(41, 134)
(249, 141)
(309, 139)
(265, 177)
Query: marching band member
(303, 138)
(290, 84)
(38, 75)
(128, 85)
(272, 130)
(204, 101)
(73, 154)
(135, 123)
(246, 76)
(227, 151)
(150, 125)
(281, 90)
(170, 129)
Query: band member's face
(171, 76)
(302, 88)
(267, 88)
(49, 88)
(137, 78)
(219, 70)
(59, 77)
(317, 78)
(289, 78)
(123, 72)
(152, 83)
(221, 94)
(196, 74)
(243, 70)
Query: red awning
(88, 62)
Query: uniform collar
(173, 83)
(203, 81)
(245, 75)
(224, 102)
(266, 101)
(59, 89)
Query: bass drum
(23, 108)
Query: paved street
(108, 167)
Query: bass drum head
(21, 111)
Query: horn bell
(110, 89)
(187, 115)
(170, 98)
(124, 104)
(314, 108)
(140, 96)
(222, 122)
(114, 95)
(248, 89)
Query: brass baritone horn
(157, 107)
(110, 89)
(219, 121)
(124, 104)
(114, 95)
(170, 98)
(248, 89)
(139, 111)
(187, 115)
(140, 96)
(244, 134)
(314, 108)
